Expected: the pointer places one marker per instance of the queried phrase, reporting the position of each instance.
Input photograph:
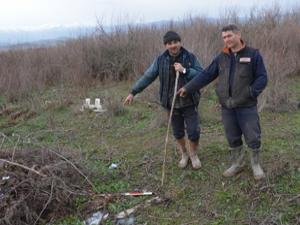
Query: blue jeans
(242, 121)
(186, 116)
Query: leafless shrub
(160, 119)
(113, 103)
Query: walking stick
(169, 123)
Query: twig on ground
(15, 147)
(3, 140)
(148, 203)
(294, 198)
(5, 136)
(75, 167)
(24, 167)
(192, 222)
(47, 203)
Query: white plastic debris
(5, 178)
(96, 218)
(97, 107)
(128, 212)
(87, 101)
(125, 221)
(97, 102)
(113, 166)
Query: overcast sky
(15, 14)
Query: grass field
(133, 137)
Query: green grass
(194, 197)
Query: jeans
(189, 117)
(242, 121)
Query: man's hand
(129, 100)
(182, 92)
(178, 67)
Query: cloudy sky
(32, 14)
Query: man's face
(173, 47)
(231, 39)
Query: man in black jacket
(176, 58)
(242, 77)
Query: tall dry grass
(125, 53)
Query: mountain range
(14, 38)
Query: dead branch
(15, 147)
(75, 167)
(294, 198)
(47, 203)
(24, 167)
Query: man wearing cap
(242, 77)
(185, 114)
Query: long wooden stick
(169, 124)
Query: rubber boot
(196, 163)
(237, 161)
(183, 153)
(258, 172)
(184, 160)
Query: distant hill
(22, 38)
(46, 36)
(49, 36)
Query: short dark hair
(171, 36)
(230, 27)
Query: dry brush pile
(38, 186)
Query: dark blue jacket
(256, 85)
(160, 68)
